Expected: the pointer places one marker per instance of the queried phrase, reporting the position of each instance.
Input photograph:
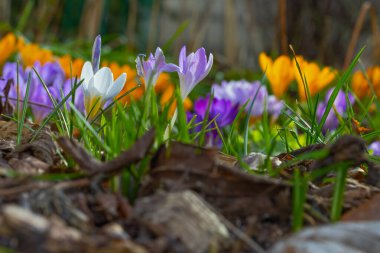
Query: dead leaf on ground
(233, 192)
(237, 195)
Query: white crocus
(99, 87)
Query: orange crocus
(360, 84)
(316, 78)
(30, 53)
(72, 68)
(279, 73)
(8, 45)
(130, 83)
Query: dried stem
(283, 34)
(356, 32)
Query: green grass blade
(20, 124)
(334, 94)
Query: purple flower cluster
(239, 92)
(228, 98)
(222, 112)
(340, 105)
(54, 78)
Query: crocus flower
(279, 73)
(239, 92)
(79, 97)
(317, 79)
(71, 67)
(8, 46)
(375, 147)
(222, 110)
(10, 73)
(51, 73)
(360, 84)
(30, 53)
(340, 105)
(192, 69)
(99, 86)
(153, 67)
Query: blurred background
(235, 31)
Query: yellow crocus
(279, 73)
(360, 84)
(316, 78)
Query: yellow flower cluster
(283, 70)
(361, 83)
(30, 53)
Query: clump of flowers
(222, 113)
(338, 111)
(40, 103)
(282, 71)
(241, 92)
(360, 84)
(30, 53)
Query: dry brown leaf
(236, 194)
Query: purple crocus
(193, 68)
(340, 105)
(153, 67)
(375, 147)
(79, 96)
(221, 110)
(51, 73)
(239, 92)
(10, 73)
(39, 100)
(40, 103)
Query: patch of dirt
(190, 200)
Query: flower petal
(102, 80)
(182, 59)
(87, 72)
(116, 87)
(96, 48)
(170, 67)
